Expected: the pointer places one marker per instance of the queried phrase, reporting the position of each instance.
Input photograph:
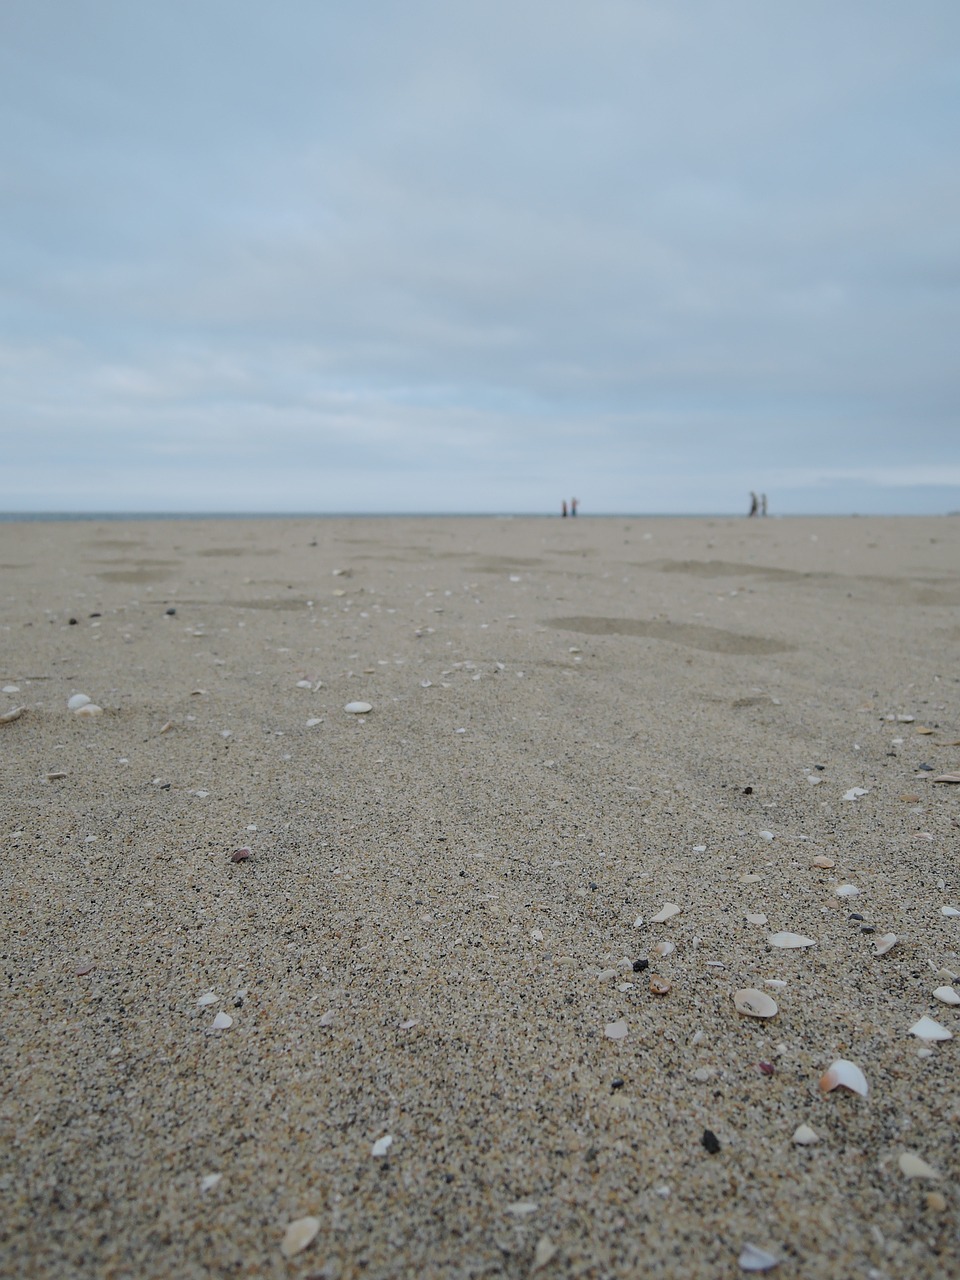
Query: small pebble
(710, 1142)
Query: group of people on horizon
(758, 506)
(574, 503)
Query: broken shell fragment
(844, 1075)
(949, 911)
(663, 949)
(755, 918)
(358, 708)
(8, 717)
(754, 1259)
(222, 1021)
(804, 1136)
(240, 855)
(790, 941)
(298, 1235)
(914, 1167)
(884, 943)
(382, 1145)
(947, 777)
(77, 701)
(615, 1030)
(660, 986)
(927, 1029)
(666, 912)
(946, 995)
(87, 710)
(846, 891)
(754, 1004)
(823, 862)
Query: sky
(479, 255)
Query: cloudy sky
(476, 255)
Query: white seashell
(754, 1004)
(638, 922)
(207, 998)
(89, 709)
(222, 1021)
(545, 1251)
(884, 943)
(844, 1075)
(536, 935)
(804, 1136)
(750, 878)
(823, 863)
(606, 974)
(304, 684)
(10, 688)
(846, 891)
(947, 777)
(314, 720)
(358, 708)
(912, 1165)
(382, 1145)
(8, 717)
(766, 835)
(615, 1030)
(855, 793)
(666, 912)
(790, 941)
(298, 1235)
(77, 701)
(663, 949)
(753, 1258)
(210, 1180)
(946, 995)
(757, 918)
(949, 911)
(522, 1208)
(927, 1029)
(777, 983)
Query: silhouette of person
(763, 504)
(574, 503)
(754, 503)
(563, 508)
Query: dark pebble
(867, 928)
(748, 791)
(927, 768)
(73, 622)
(854, 916)
(616, 1084)
(593, 885)
(641, 964)
(96, 615)
(710, 1141)
(171, 613)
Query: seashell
(208, 997)
(77, 701)
(936, 1203)
(884, 943)
(358, 708)
(545, 1252)
(823, 862)
(521, 1208)
(750, 878)
(298, 1235)
(949, 911)
(927, 1029)
(946, 995)
(663, 949)
(855, 793)
(947, 777)
(240, 855)
(606, 974)
(222, 1021)
(777, 983)
(666, 912)
(8, 717)
(790, 941)
(89, 709)
(753, 1258)
(844, 1075)
(754, 1004)
(913, 1167)
(615, 1030)
(659, 986)
(804, 1136)
(766, 835)
(755, 918)
(210, 1180)
(638, 922)
(327, 1018)
(382, 1145)
(846, 891)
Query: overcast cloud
(475, 255)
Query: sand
(573, 723)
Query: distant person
(574, 503)
(563, 508)
(754, 503)
(763, 504)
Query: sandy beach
(267, 960)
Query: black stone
(616, 1084)
(710, 1141)
(73, 622)
(641, 964)
(170, 612)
